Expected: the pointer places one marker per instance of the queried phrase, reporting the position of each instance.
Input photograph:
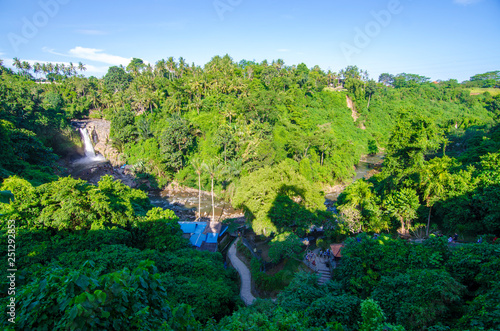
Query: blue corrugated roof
(193, 227)
(200, 227)
(224, 228)
(196, 230)
(187, 227)
(198, 239)
(212, 238)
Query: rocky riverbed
(184, 202)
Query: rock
(98, 130)
(173, 188)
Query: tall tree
(403, 205)
(413, 136)
(386, 79)
(214, 168)
(434, 178)
(176, 142)
(136, 66)
(198, 167)
(370, 90)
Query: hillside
(268, 138)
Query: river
(366, 164)
(184, 201)
(185, 204)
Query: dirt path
(246, 278)
(350, 104)
(355, 114)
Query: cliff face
(99, 134)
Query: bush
(242, 249)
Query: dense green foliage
(253, 120)
(269, 138)
(385, 283)
(102, 257)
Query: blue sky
(441, 39)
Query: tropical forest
(332, 200)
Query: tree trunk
(213, 206)
(322, 158)
(428, 222)
(305, 153)
(369, 98)
(403, 226)
(199, 195)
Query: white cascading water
(90, 156)
(87, 143)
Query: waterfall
(87, 143)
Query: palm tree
(107, 100)
(198, 166)
(228, 111)
(93, 96)
(71, 69)
(26, 66)
(64, 69)
(171, 67)
(51, 68)
(182, 65)
(279, 64)
(37, 67)
(81, 67)
(160, 68)
(17, 63)
(214, 168)
(44, 69)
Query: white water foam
(90, 155)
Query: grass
(477, 90)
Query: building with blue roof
(204, 236)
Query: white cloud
(466, 2)
(92, 32)
(51, 51)
(92, 54)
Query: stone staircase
(321, 268)
(324, 273)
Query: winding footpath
(245, 276)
